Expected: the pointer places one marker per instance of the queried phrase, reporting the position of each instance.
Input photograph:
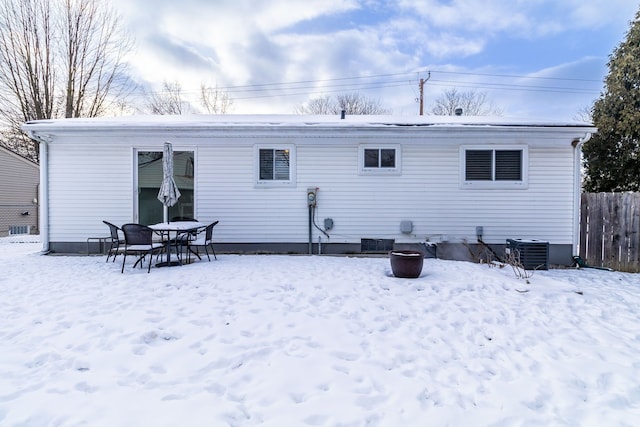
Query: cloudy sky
(541, 58)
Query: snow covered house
(19, 179)
(376, 182)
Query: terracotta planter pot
(406, 264)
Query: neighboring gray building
(19, 179)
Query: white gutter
(43, 196)
(577, 188)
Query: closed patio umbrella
(169, 193)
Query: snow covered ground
(313, 341)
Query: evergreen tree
(612, 156)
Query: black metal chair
(138, 240)
(115, 241)
(180, 241)
(203, 239)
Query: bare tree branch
(321, 105)
(472, 103)
(59, 58)
(169, 101)
(214, 100)
(27, 74)
(95, 51)
(352, 103)
(584, 114)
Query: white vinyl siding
(427, 192)
(88, 184)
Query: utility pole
(421, 87)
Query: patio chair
(203, 239)
(115, 241)
(180, 241)
(138, 240)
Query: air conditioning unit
(532, 254)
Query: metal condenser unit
(532, 254)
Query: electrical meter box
(312, 195)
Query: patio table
(174, 228)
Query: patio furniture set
(182, 236)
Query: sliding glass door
(150, 209)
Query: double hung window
(485, 167)
(382, 160)
(275, 165)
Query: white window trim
(362, 170)
(291, 182)
(499, 185)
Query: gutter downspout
(43, 196)
(577, 187)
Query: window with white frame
(275, 165)
(492, 167)
(379, 159)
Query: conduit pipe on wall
(310, 230)
(577, 188)
(43, 195)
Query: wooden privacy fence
(610, 230)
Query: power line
(390, 80)
(517, 76)
(512, 87)
(356, 85)
(255, 87)
(317, 81)
(412, 73)
(321, 92)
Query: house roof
(252, 120)
(7, 152)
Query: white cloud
(600, 13)
(468, 16)
(239, 33)
(555, 92)
(244, 42)
(524, 18)
(275, 15)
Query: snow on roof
(262, 120)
